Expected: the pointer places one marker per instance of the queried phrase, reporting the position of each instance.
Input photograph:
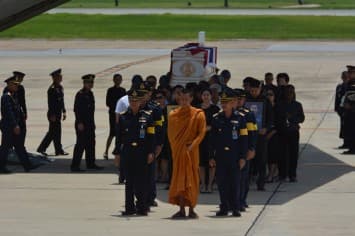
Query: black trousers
(260, 160)
(24, 131)
(54, 134)
(289, 150)
(152, 186)
(122, 176)
(244, 184)
(349, 128)
(137, 182)
(85, 141)
(347, 142)
(228, 181)
(10, 140)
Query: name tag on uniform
(234, 134)
(142, 132)
(234, 131)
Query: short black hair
(188, 91)
(156, 92)
(268, 74)
(137, 79)
(191, 85)
(117, 75)
(177, 87)
(255, 83)
(283, 75)
(149, 77)
(248, 79)
(226, 74)
(203, 84)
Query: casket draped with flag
(192, 63)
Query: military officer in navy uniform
(21, 95)
(21, 98)
(12, 127)
(56, 112)
(135, 142)
(157, 114)
(84, 109)
(229, 136)
(252, 139)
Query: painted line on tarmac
(116, 68)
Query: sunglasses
(270, 94)
(159, 97)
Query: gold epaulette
(241, 114)
(216, 114)
(147, 112)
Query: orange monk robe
(186, 125)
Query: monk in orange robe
(186, 129)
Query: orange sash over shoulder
(186, 126)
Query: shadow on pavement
(316, 168)
(62, 165)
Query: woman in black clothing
(210, 110)
(289, 114)
(273, 143)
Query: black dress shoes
(142, 213)
(43, 153)
(95, 167)
(236, 214)
(128, 213)
(154, 204)
(76, 170)
(293, 180)
(221, 213)
(260, 188)
(343, 146)
(62, 153)
(5, 171)
(350, 152)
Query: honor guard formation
(192, 137)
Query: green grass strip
(162, 27)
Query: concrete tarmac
(53, 201)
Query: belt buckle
(134, 144)
(226, 148)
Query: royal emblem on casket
(192, 63)
(187, 69)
